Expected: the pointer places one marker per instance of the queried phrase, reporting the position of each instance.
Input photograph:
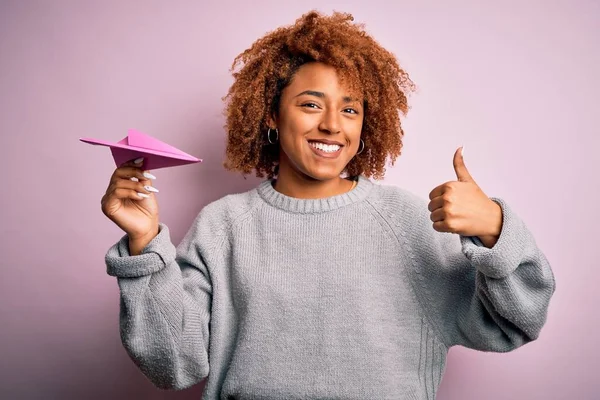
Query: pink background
(516, 84)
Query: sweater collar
(310, 206)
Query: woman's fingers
(124, 193)
(130, 170)
(121, 187)
(138, 162)
(129, 181)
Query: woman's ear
(272, 121)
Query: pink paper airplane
(137, 144)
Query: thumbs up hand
(462, 207)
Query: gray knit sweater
(349, 297)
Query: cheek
(290, 141)
(296, 126)
(286, 139)
(303, 123)
(354, 130)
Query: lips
(325, 141)
(325, 150)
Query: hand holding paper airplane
(130, 200)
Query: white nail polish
(144, 195)
(138, 160)
(133, 178)
(149, 175)
(151, 189)
(462, 151)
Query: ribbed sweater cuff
(158, 253)
(502, 259)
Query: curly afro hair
(266, 68)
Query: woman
(318, 283)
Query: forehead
(320, 77)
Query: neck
(300, 186)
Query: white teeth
(328, 148)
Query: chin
(323, 173)
(317, 169)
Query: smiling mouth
(325, 148)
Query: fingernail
(144, 195)
(149, 175)
(133, 178)
(138, 160)
(151, 189)
(462, 151)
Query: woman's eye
(351, 110)
(310, 105)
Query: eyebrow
(321, 95)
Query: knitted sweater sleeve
(165, 305)
(486, 299)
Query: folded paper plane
(156, 154)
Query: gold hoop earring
(276, 136)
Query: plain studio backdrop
(517, 84)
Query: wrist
(138, 243)
(495, 224)
(488, 241)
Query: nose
(330, 122)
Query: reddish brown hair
(266, 68)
